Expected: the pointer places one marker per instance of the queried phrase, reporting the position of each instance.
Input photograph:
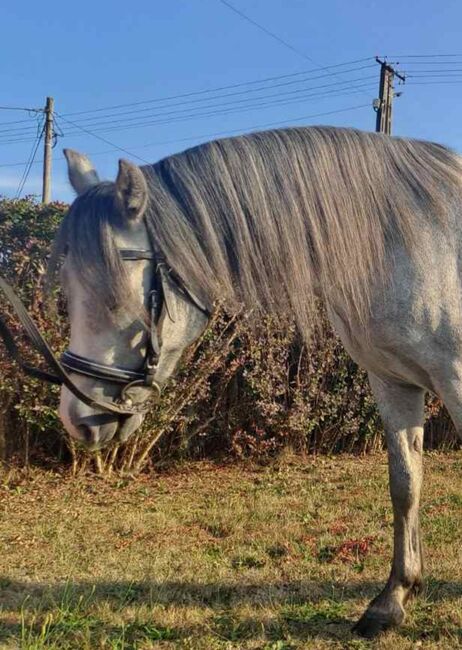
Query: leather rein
(74, 363)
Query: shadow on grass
(301, 610)
(207, 594)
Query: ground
(212, 557)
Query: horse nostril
(86, 432)
(96, 431)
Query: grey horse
(275, 221)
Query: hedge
(240, 391)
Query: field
(221, 557)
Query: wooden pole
(386, 94)
(379, 122)
(48, 148)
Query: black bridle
(74, 363)
(116, 374)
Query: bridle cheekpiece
(116, 374)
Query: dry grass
(212, 557)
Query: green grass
(221, 558)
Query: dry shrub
(241, 391)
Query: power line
(212, 135)
(103, 118)
(408, 63)
(218, 89)
(30, 162)
(434, 83)
(98, 137)
(264, 126)
(243, 84)
(280, 40)
(203, 103)
(421, 56)
(179, 119)
(434, 73)
(267, 31)
(18, 121)
(224, 108)
(21, 108)
(309, 92)
(432, 77)
(197, 116)
(233, 94)
(237, 105)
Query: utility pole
(383, 105)
(46, 188)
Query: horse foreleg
(401, 408)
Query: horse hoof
(371, 623)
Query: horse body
(372, 225)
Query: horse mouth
(92, 434)
(128, 424)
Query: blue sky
(100, 54)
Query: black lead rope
(14, 353)
(38, 342)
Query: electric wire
(21, 108)
(408, 63)
(223, 109)
(267, 31)
(226, 108)
(422, 56)
(30, 162)
(325, 90)
(219, 88)
(104, 119)
(435, 83)
(227, 132)
(24, 130)
(433, 73)
(18, 121)
(98, 137)
(234, 94)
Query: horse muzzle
(92, 428)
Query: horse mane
(273, 220)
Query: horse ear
(82, 174)
(131, 190)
